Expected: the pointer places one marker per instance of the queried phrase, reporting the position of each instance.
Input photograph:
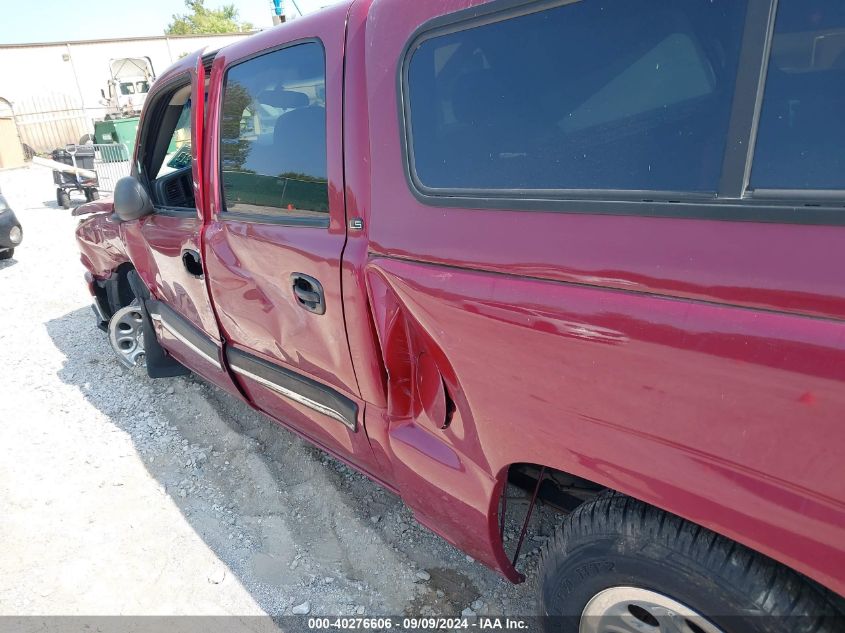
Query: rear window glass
(589, 95)
(273, 134)
(801, 136)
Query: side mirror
(131, 200)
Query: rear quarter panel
(694, 364)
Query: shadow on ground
(289, 521)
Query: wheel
(126, 335)
(618, 565)
(86, 139)
(59, 196)
(7, 254)
(95, 195)
(64, 199)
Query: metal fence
(111, 162)
(48, 121)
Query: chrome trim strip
(175, 334)
(292, 395)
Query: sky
(68, 20)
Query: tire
(632, 551)
(94, 195)
(64, 199)
(7, 254)
(59, 196)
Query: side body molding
(182, 330)
(296, 387)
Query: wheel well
(558, 490)
(116, 292)
(530, 485)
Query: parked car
(592, 249)
(11, 234)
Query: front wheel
(618, 565)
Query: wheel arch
(720, 516)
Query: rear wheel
(63, 199)
(618, 565)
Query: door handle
(308, 293)
(192, 262)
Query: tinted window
(801, 137)
(273, 134)
(631, 94)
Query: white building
(54, 88)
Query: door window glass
(801, 135)
(588, 95)
(178, 154)
(273, 134)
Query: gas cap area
(430, 398)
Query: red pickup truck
(595, 249)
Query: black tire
(64, 199)
(58, 196)
(7, 254)
(616, 541)
(95, 195)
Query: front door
(274, 244)
(165, 246)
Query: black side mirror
(131, 200)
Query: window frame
(810, 197)
(733, 200)
(256, 218)
(149, 135)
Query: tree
(202, 20)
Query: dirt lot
(124, 495)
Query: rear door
(165, 246)
(277, 232)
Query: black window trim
(153, 113)
(733, 201)
(257, 218)
(162, 96)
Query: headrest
(284, 99)
(299, 141)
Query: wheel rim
(635, 610)
(126, 335)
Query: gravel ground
(125, 495)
